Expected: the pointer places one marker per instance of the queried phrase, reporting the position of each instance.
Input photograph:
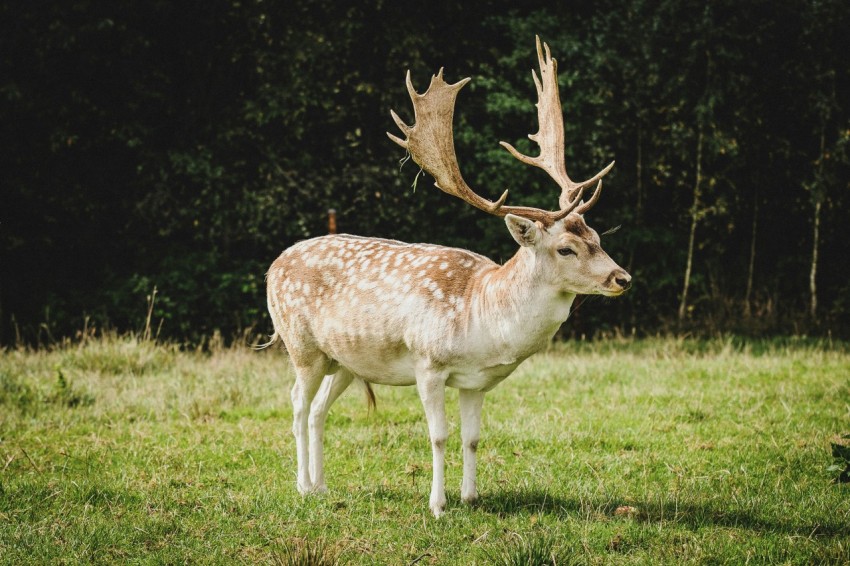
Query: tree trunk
(683, 305)
(751, 266)
(816, 196)
(813, 305)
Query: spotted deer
(378, 311)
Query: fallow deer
(349, 308)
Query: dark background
(183, 145)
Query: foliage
(183, 147)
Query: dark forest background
(184, 145)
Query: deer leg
(432, 390)
(470, 428)
(307, 382)
(332, 387)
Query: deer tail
(272, 339)
(370, 396)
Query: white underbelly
(401, 371)
(382, 370)
(396, 364)
(480, 379)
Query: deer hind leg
(331, 388)
(308, 378)
(470, 428)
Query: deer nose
(623, 279)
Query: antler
(431, 145)
(430, 141)
(550, 137)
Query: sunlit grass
(617, 452)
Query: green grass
(625, 452)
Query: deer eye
(566, 251)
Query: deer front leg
(470, 427)
(432, 391)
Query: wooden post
(331, 221)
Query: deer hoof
(438, 506)
(468, 492)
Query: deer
(377, 311)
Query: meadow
(121, 450)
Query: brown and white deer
(380, 311)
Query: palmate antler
(431, 145)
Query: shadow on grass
(691, 515)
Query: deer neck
(518, 308)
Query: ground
(661, 450)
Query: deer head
(567, 252)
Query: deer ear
(526, 232)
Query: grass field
(625, 452)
